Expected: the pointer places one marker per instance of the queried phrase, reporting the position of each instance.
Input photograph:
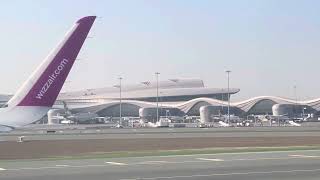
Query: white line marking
(230, 153)
(229, 174)
(199, 160)
(153, 162)
(62, 165)
(272, 158)
(57, 167)
(164, 162)
(259, 159)
(37, 168)
(303, 156)
(117, 163)
(207, 159)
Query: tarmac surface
(293, 165)
(71, 142)
(74, 133)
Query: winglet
(44, 85)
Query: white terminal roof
(147, 89)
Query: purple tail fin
(43, 87)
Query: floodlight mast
(157, 78)
(228, 74)
(120, 100)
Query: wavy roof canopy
(246, 105)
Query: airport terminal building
(139, 99)
(176, 97)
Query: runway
(293, 165)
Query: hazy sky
(269, 45)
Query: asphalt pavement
(293, 165)
(96, 133)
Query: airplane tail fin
(44, 85)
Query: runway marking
(116, 163)
(226, 174)
(153, 162)
(231, 153)
(196, 160)
(57, 167)
(207, 159)
(36, 168)
(259, 159)
(164, 162)
(272, 158)
(303, 156)
(199, 160)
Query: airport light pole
(160, 102)
(295, 93)
(228, 74)
(120, 101)
(157, 78)
(296, 101)
(222, 98)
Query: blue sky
(269, 45)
